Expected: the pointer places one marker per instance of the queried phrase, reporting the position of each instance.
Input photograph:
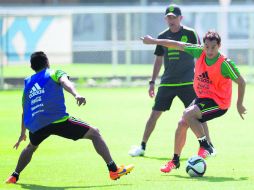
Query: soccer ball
(196, 166)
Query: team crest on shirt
(184, 38)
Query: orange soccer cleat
(11, 179)
(122, 170)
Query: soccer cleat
(122, 170)
(214, 152)
(136, 151)
(169, 166)
(206, 152)
(11, 179)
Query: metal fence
(110, 35)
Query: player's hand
(151, 90)
(21, 138)
(147, 39)
(80, 100)
(241, 110)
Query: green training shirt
(228, 67)
(178, 65)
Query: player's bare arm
(69, 87)
(241, 91)
(156, 71)
(164, 42)
(22, 133)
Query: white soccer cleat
(136, 151)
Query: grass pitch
(98, 70)
(121, 114)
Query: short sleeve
(56, 75)
(229, 69)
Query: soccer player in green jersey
(213, 78)
(44, 114)
(177, 78)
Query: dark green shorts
(166, 94)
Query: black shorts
(166, 94)
(72, 128)
(209, 109)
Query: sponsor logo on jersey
(36, 90)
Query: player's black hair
(212, 35)
(39, 61)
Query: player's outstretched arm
(241, 91)
(164, 42)
(69, 87)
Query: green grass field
(99, 70)
(84, 70)
(121, 114)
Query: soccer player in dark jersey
(44, 114)
(213, 78)
(177, 79)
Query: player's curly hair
(212, 35)
(39, 61)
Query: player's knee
(31, 147)
(154, 116)
(182, 124)
(94, 133)
(187, 115)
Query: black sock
(143, 145)
(211, 144)
(15, 174)
(176, 158)
(203, 142)
(112, 166)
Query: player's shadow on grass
(161, 158)
(41, 187)
(212, 178)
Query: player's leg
(188, 119)
(24, 159)
(99, 144)
(187, 96)
(191, 116)
(26, 155)
(101, 148)
(150, 125)
(203, 110)
(206, 130)
(163, 102)
(208, 137)
(180, 138)
(76, 129)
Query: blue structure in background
(31, 37)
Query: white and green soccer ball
(196, 166)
